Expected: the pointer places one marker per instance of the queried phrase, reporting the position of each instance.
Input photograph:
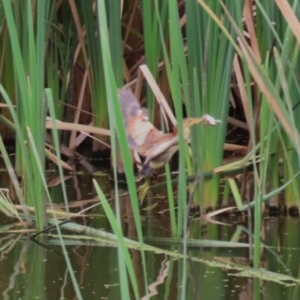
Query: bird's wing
(156, 145)
(136, 121)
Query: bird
(155, 146)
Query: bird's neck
(186, 132)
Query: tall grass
(28, 60)
(117, 125)
(209, 63)
(90, 43)
(196, 51)
(192, 51)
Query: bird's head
(188, 122)
(206, 119)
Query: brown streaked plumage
(157, 147)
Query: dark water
(30, 270)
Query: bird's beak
(209, 120)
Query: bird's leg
(143, 189)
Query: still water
(38, 270)
(34, 271)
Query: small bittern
(157, 147)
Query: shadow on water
(32, 271)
